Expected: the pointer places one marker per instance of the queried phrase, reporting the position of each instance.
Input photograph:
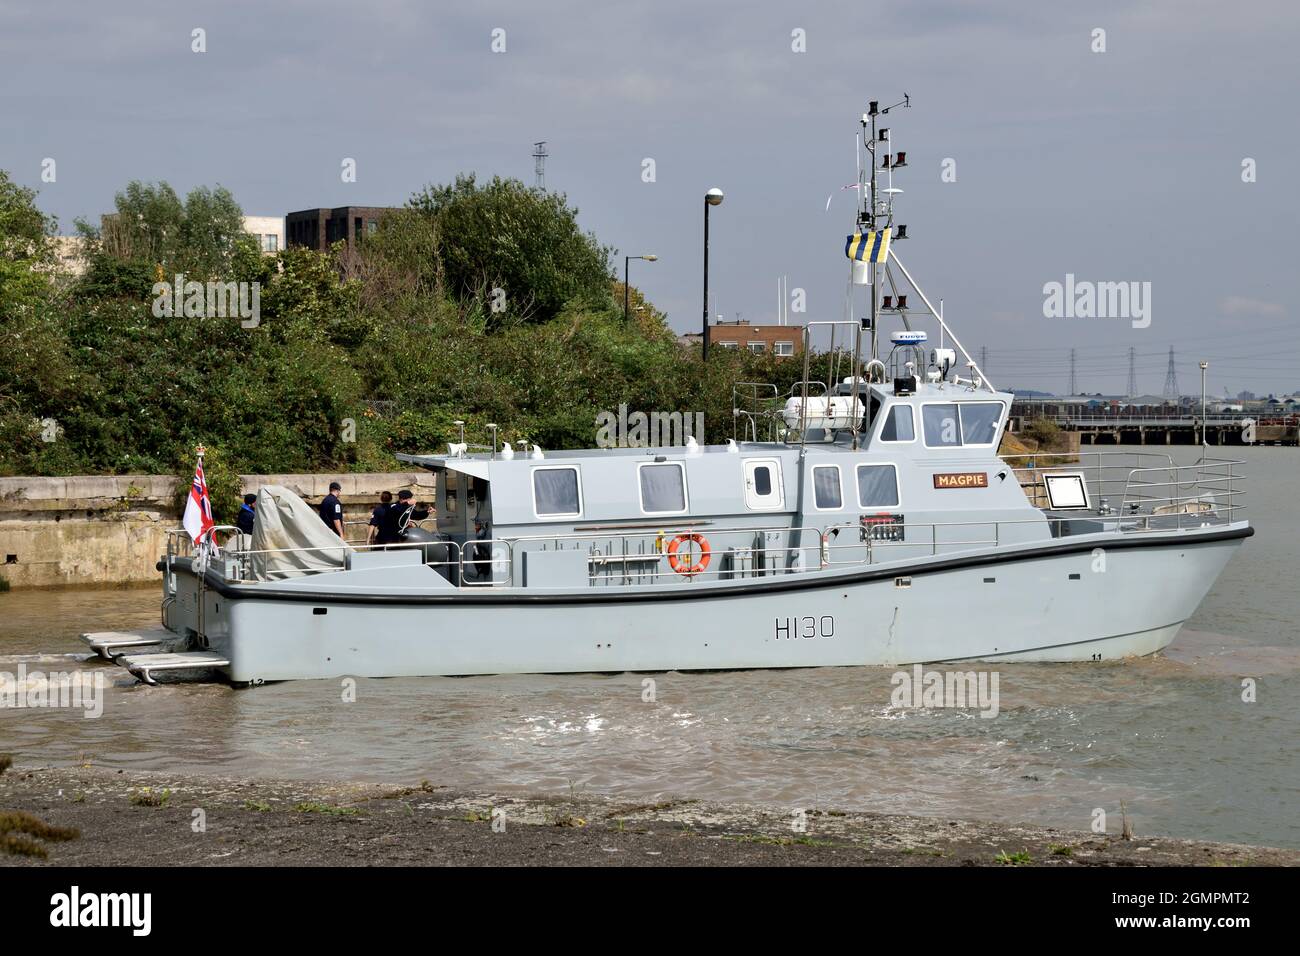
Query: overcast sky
(1124, 165)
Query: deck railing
(1134, 481)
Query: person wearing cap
(396, 519)
(331, 509)
(247, 512)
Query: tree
(152, 227)
(26, 253)
(524, 242)
(212, 227)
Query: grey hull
(1095, 599)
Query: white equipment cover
(292, 530)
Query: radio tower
(984, 359)
(1132, 373)
(539, 164)
(1171, 378)
(1074, 385)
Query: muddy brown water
(1169, 736)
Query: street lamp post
(650, 258)
(711, 198)
(1204, 437)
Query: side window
(556, 493)
(942, 427)
(899, 425)
(763, 480)
(663, 489)
(979, 422)
(826, 488)
(877, 486)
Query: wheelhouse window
(556, 493)
(898, 425)
(663, 488)
(967, 423)
(979, 422)
(942, 425)
(826, 488)
(877, 486)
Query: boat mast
(867, 211)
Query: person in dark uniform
(247, 512)
(377, 514)
(331, 509)
(395, 519)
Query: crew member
(396, 520)
(331, 509)
(373, 536)
(247, 512)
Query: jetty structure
(864, 519)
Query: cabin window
(763, 480)
(877, 486)
(942, 426)
(663, 489)
(556, 493)
(899, 425)
(979, 422)
(826, 488)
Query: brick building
(320, 228)
(782, 340)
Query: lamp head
(713, 197)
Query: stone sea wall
(111, 529)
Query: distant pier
(1105, 425)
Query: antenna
(984, 358)
(1171, 377)
(539, 164)
(1132, 373)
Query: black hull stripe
(474, 597)
(990, 658)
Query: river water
(1170, 736)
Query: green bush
(1042, 430)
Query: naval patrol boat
(866, 519)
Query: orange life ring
(678, 564)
